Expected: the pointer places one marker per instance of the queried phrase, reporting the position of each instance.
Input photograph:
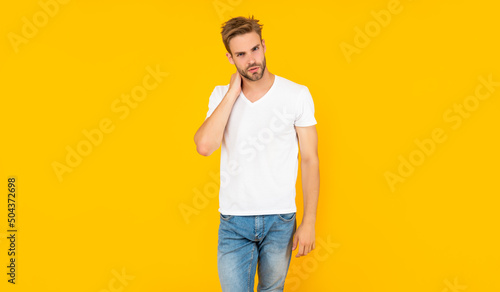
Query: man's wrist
(309, 221)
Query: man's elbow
(203, 149)
(200, 148)
(204, 146)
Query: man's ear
(264, 45)
(230, 58)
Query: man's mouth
(253, 69)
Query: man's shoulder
(222, 86)
(220, 90)
(290, 85)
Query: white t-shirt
(259, 152)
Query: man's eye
(237, 55)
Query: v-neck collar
(264, 96)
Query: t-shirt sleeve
(305, 109)
(213, 102)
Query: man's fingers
(295, 241)
(301, 251)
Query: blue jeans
(248, 242)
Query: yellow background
(119, 209)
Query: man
(261, 119)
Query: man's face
(248, 52)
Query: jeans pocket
(287, 217)
(225, 217)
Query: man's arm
(209, 136)
(308, 142)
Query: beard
(256, 75)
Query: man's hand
(235, 83)
(304, 237)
